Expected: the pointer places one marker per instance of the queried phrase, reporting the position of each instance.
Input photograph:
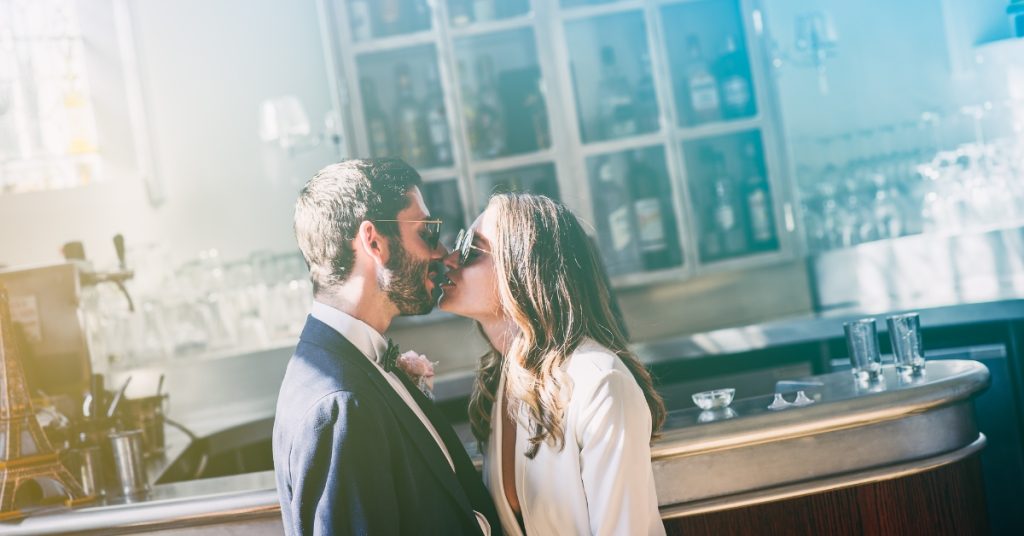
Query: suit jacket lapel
(425, 444)
(444, 429)
(466, 471)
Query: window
(48, 134)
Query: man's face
(409, 276)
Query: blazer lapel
(428, 448)
(466, 471)
(451, 440)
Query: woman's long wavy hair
(553, 286)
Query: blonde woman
(564, 411)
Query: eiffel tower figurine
(30, 471)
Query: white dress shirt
(373, 345)
(601, 482)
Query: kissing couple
(563, 411)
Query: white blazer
(601, 482)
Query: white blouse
(601, 482)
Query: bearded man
(357, 448)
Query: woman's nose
(451, 261)
(441, 251)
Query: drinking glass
(862, 342)
(905, 335)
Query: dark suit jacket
(351, 457)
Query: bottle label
(621, 230)
(703, 94)
(736, 92)
(725, 217)
(649, 224)
(759, 221)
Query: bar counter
(831, 465)
(731, 461)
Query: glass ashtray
(717, 398)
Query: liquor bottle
(410, 125)
(437, 120)
(362, 23)
(538, 112)
(646, 106)
(488, 122)
(761, 231)
(726, 224)
(389, 13)
(702, 90)
(618, 242)
(615, 99)
(648, 207)
(378, 127)
(732, 70)
(483, 10)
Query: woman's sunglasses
(432, 231)
(464, 245)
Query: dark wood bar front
(948, 500)
(900, 456)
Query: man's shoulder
(314, 373)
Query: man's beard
(404, 281)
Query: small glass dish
(715, 399)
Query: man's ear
(372, 242)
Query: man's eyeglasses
(432, 236)
(464, 245)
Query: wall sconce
(287, 134)
(283, 123)
(815, 42)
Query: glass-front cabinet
(649, 118)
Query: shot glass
(907, 350)
(862, 342)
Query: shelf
(624, 144)
(384, 44)
(575, 13)
(508, 162)
(491, 27)
(721, 128)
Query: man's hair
(333, 204)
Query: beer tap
(73, 251)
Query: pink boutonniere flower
(419, 369)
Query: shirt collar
(359, 333)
